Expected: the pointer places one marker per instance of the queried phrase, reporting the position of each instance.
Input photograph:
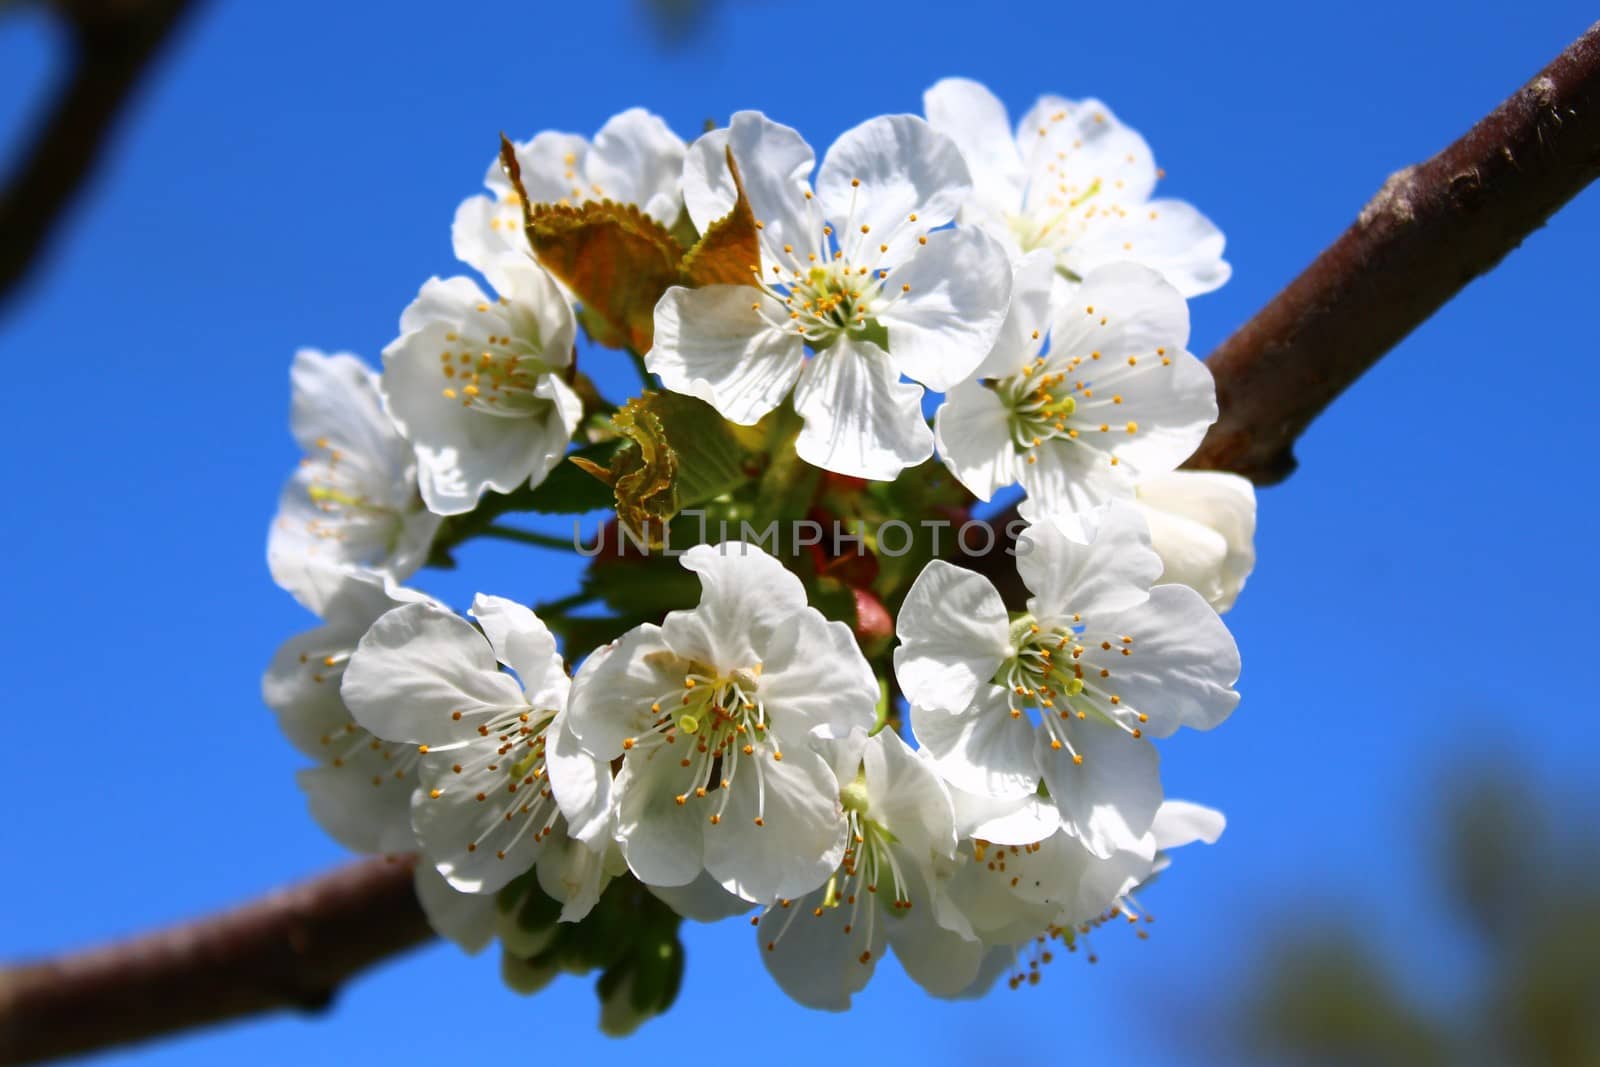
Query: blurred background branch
(113, 43)
(1428, 232)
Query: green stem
(644, 372)
(559, 607)
(526, 537)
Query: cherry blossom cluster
(929, 769)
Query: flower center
(718, 722)
(830, 300)
(1059, 673)
(494, 365)
(338, 486)
(1040, 404)
(1054, 221)
(836, 287)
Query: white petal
(1005, 820)
(480, 825)
(487, 236)
(1074, 149)
(468, 919)
(1099, 562)
(702, 900)
(637, 159)
(972, 430)
(1180, 822)
(360, 802)
(353, 499)
(744, 595)
(539, 310)
(552, 165)
(1223, 505)
(582, 784)
(662, 840)
(523, 642)
(1166, 405)
(983, 749)
(1183, 662)
(335, 403)
(811, 956)
(879, 175)
(775, 165)
(441, 300)
(426, 676)
(1072, 476)
(954, 635)
(907, 798)
(1192, 553)
(302, 683)
(1110, 799)
(715, 344)
(1027, 319)
(949, 301)
(939, 960)
(304, 692)
(1168, 236)
(613, 690)
(573, 873)
(976, 120)
(801, 838)
(860, 418)
(814, 679)
(1079, 883)
(1119, 311)
(987, 897)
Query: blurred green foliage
(1521, 878)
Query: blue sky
(288, 178)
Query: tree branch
(113, 44)
(1430, 230)
(292, 948)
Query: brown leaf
(618, 261)
(728, 252)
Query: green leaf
(679, 453)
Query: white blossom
(717, 715)
(634, 159)
(475, 384)
(495, 762)
(1065, 694)
(1115, 397)
(1075, 182)
(1202, 525)
(857, 273)
(353, 501)
(1022, 897)
(467, 919)
(360, 791)
(887, 892)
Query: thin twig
(113, 42)
(1432, 228)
